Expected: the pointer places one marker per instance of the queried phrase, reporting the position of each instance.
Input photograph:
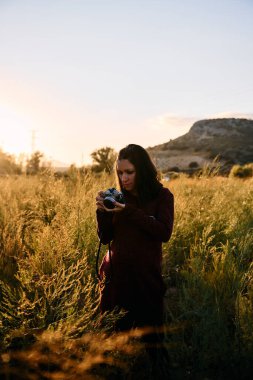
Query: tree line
(102, 161)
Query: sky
(79, 75)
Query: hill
(229, 139)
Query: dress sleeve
(159, 227)
(105, 226)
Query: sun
(15, 132)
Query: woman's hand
(99, 201)
(118, 207)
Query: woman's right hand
(99, 201)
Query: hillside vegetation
(50, 325)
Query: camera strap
(97, 260)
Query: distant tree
(103, 159)
(33, 164)
(8, 164)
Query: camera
(111, 196)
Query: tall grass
(209, 261)
(48, 282)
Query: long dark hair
(147, 178)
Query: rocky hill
(229, 139)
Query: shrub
(243, 171)
(8, 164)
(193, 165)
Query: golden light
(15, 132)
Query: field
(50, 326)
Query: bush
(193, 165)
(8, 164)
(243, 171)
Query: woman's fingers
(99, 203)
(118, 207)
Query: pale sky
(87, 74)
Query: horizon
(81, 76)
(23, 156)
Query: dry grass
(49, 294)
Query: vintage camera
(110, 196)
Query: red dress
(135, 279)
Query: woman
(137, 228)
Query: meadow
(50, 325)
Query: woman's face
(127, 175)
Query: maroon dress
(134, 279)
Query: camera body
(111, 196)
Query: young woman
(136, 230)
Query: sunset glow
(81, 79)
(15, 133)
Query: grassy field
(50, 327)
